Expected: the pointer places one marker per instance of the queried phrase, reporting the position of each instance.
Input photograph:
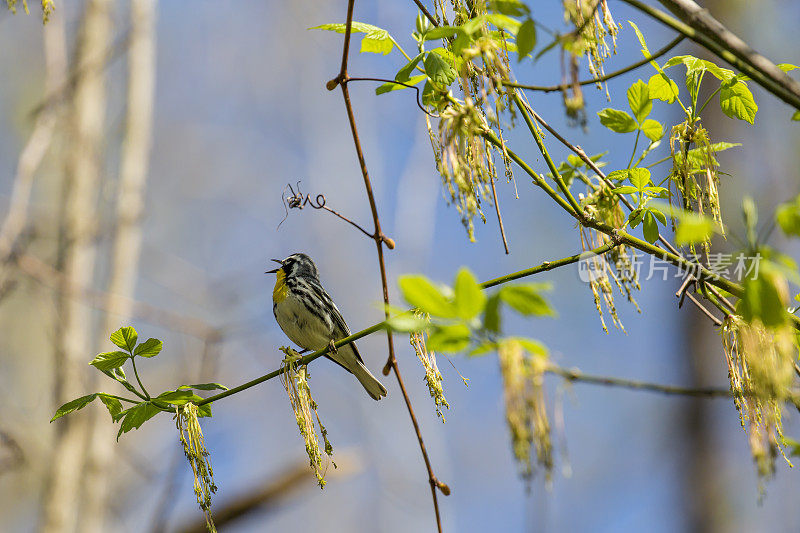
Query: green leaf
(482, 349)
(205, 386)
(451, 338)
(788, 217)
(787, 67)
(764, 299)
(662, 88)
(442, 32)
(113, 405)
(512, 8)
(419, 292)
(149, 348)
(639, 36)
(377, 40)
(491, 314)
(389, 86)
(125, 338)
(531, 346)
(652, 129)
(526, 300)
(202, 410)
(737, 101)
(109, 360)
(404, 73)
(74, 405)
(636, 216)
(504, 22)
(693, 228)
(617, 120)
(439, 70)
(658, 214)
(625, 189)
(618, 175)
(407, 323)
(650, 228)
(639, 177)
(176, 397)
(469, 298)
(639, 100)
(526, 39)
(358, 27)
(796, 115)
(136, 416)
(377, 43)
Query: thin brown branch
(499, 216)
(392, 360)
(384, 80)
(298, 201)
(425, 12)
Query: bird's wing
(340, 329)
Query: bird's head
(298, 264)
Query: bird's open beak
(273, 271)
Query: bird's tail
(370, 383)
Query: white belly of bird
(301, 326)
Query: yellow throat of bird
(281, 290)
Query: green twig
(549, 265)
(136, 373)
(578, 210)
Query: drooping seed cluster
(191, 437)
(295, 382)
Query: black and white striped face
(299, 265)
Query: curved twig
(384, 80)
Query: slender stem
(379, 242)
(635, 146)
(548, 265)
(408, 58)
(490, 136)
(551, 165)
(709, 99)
(121, 398)
(499, 216)
(552, 88)
(576, 375)
(136, 373)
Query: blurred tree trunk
(126, 244)
(705, 498)
(704, 494)
(84, 141)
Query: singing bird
(308, 316)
